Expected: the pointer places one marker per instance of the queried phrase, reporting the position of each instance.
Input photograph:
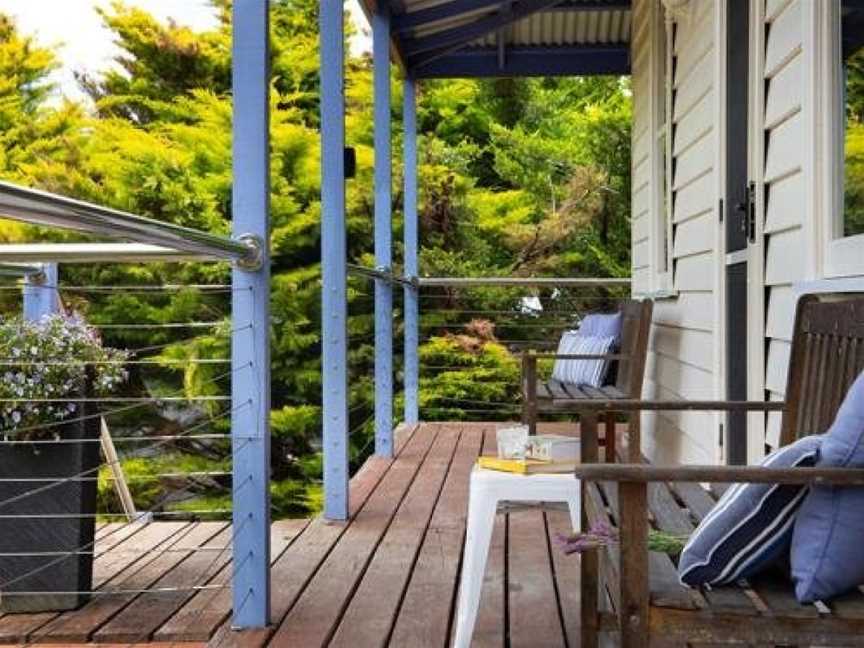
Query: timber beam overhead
(484, 62)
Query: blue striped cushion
(750, 527)
(582, 372)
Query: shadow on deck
(389, 576)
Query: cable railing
(363, 355)
(167, 452)
(473, 330)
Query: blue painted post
(250, 341)
(334, 299)
(383, 236)
(40, 293)
(411, 243)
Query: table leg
(482, 505)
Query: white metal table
(489, 488)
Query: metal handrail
(19, 270)
(43, 208)
(94, 253)
(377, 273)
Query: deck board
(80, 625)
(491, 625)
(200, 617)
(530, 580)
(387, 576)
(148, 612)
(371, 614)
(110, 557)
(312, 621)
(425, 616)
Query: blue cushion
(582, 372)
(602, 325)
(843, 443)
(826, 557)
(750, 527)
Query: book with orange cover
(525, 466)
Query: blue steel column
(383, 236)
(250, 341)
(40, 293)
(411, 243)
(334, 301)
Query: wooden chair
(556, 397)
(649, 605)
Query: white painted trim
(756, 421)
(838, 256)
(720, 255)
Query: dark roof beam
(577, 60)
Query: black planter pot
(64, 570)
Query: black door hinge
(720, 213)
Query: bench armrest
(720, 474)
(631, 405)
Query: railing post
(334, 301)
(383, 235)
(40, 293)
(411, 243)
(250, 341)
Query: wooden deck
(387, 577)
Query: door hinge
(721, 436)
(720, 213)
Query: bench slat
(776, 590)
(848, 606)
(557, 390)
(665, 588)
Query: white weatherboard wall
(682, 362)
(643, 192)
(786, 243)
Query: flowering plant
(45, 362)
(603, 535)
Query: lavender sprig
(602, 535)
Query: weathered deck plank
(388, 576)
(80, 625)
(424, 618)
(143, 617)
(529, 581)
(314, 618)
(110, 558)
(566, 574)
(371, 614)
(206, 611)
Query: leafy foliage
(524, 177)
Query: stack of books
(544, 453)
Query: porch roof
(505, 38)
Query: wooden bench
(649, 605)
(553, 396)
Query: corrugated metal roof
(561, 28)
(444, 32)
